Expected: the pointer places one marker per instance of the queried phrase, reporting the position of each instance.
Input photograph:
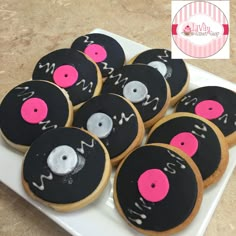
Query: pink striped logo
(200, 29)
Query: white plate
(101, 216)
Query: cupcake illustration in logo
(187, 30)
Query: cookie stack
(85, 111)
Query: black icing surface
(178, 203)
(79, 92)
(115, 54)
(112, 105)
(227, 98)
(15, 128)
(177, 78)
(208, 155)
(71, 187)
(150, 77)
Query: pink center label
(153, 185)
(34, 110)
(65, 76)
(209, 109)
(185, 141)
(96, 52)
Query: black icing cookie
(71, 70)
(216, 104)
(104, 50)
(66, 168)
(142, 85)
(32, 108)
(173, 70)
(200, 139)
(114, 120)
(158, 189)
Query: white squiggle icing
(45, 125)
(81, 149)
(190, 100)
(169, 168)
(163, 56)
(87, 40)
(182, 166)
(174, 155)
(119, 79)
(126, 118)
(41, 186)
(224, 118)
(25, 92)
(235, 121)
(137, 205)
(203, 128)
(147, 102)
(49, 67)
(137, 221)
(105, 67)
(143, 216)
(144, 204)
(85, 87)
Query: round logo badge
(200, 29)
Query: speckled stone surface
(30, 29)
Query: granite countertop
(30, 29)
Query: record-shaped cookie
(216, 104)
(199, 138)
(71, 70)
(66, 169)
(142, 85)
(115, 121)
(32, 108)
(158, 189)
(103, 49)
(173, 70)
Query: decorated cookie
(66, 169)
(32, 108)
(115, 121)
(216, 104)
(104, 50)
(142, 85)
(71, 70)
(173, 70)
(158, 189)
(199, 138)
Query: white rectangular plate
(101, 216)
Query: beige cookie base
(183, 91)
(175, 99)
(194, 211)
(223, 144)
(84, 202)
(138, 139)
(231, 139)
(24, 148)
(98, 88)
(162, 112)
